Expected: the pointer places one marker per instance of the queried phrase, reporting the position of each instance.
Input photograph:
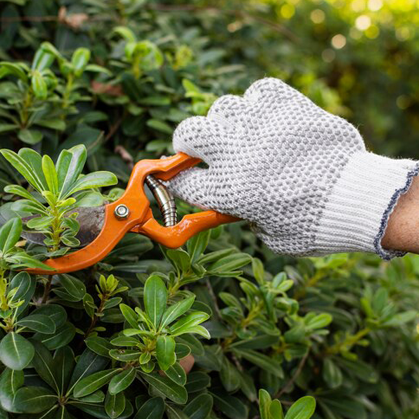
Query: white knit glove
(300, 175)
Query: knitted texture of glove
(301, 176)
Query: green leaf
(93, 382)
(200, 407)
(155, 299)
(197, 245)
(176, 310)
(91, 181)
(159, 125)
(188, 323)
(14, 69)
(16, 352)
(319, 321)
(39, 85)
(34, 399)
(24, 168)
(197, 381)
(167, 387)
(151, 409)
(63, 366)
(275, 410)
(125, 32)
(73, 287)
(29, 136)
(230, 263)
(177, 374)
(80, 58)
(231, 406)
(332, 374)
(180, 259)
(98, 345)
(43, 59)
(130, 316)
(10, 382)
(69, 166)
(62, 337)
(10, 234)
(229, 375)
(264, 404)
(121, 381)
(87, 364)
(38, 323)
(115, 405)
(24, 287)
(262, 361)
(55, 312)
(23, 260)
(302, 409)
(44, 365)
(50, 174)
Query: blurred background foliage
(147, 65)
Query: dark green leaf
(151, 409)
(16, 352)
(122, 380)
(115, 405)
(34, 399)
(38, 323)
(167, 387)
(93, 382)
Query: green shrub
(265, 335)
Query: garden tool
(106, 226)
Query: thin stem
(291, 381)
(47, 289)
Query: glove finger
(199, 137)
(228, 110)
(192, 186)
(269, 88)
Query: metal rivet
(121, 211)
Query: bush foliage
(221, 328)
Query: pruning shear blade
(132, 213)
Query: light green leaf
(155, 298)
(10, 234)
(302, 409)
(91, 181)
(188, 322)
(50, 174)
(176, 310)
(165, 352)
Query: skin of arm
(402, 231)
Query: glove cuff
(356, 214)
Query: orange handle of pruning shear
(139, 219)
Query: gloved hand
(301, 176)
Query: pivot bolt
(121, 211)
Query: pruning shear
(132, 213)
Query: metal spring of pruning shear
(132, 213)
